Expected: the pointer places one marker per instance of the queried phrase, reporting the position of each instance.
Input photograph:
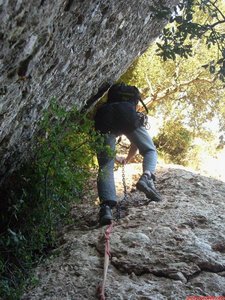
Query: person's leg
(141, 138)
(105, 183)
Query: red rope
(107, 237)
(101, 287)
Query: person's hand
(121, 160)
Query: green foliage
(173, 142)
(179, 87)
(181, 77)
(183, 88)
(194, 20)
(66, 152)
(38, 199)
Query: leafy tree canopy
(196, 20)
(182, 75)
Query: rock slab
(66, 49)
(167, 250)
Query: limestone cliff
(66, 49)
(159, 251)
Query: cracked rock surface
(66, 49)
(167, 250)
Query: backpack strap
(145, 107)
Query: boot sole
(150, 194)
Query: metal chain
(120, 206)
(124, 183)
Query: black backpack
(119, 114)
(121, 92)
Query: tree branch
(216, 7)
(216, 23)
(159, 96)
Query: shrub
(173, 142)
(37, 199)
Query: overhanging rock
(64, 49)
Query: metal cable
(120, 206)
(124, 183)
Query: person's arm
(130, 155)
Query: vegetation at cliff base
(37, 201)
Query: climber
(119, 116)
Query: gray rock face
(65, 49)
(159, 251)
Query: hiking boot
(105, 215)
(146, 184)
